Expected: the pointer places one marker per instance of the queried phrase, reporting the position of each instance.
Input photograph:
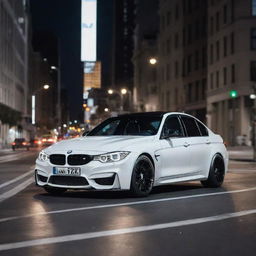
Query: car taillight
(13, 143)
(51, 140)
(39, 142)
(24, 143)
(44, 139)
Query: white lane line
(114, 232)
(126, 204)
(16, 179)
(16, 190)
(9, 158)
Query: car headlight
(43, 156)
(111, 157)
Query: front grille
(68, 180)
(105, 181)
(41, 178)
(79, 159)
(58, 159)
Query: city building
(123, 44)
(145, 59)
(13, 70)
(206, 64)
(231, 68)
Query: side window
(203, 129)
(172, 128)
(109, 129)
(191, 127)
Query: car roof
(144, 114)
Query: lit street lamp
(106, 109)
(152, 61)
(121, 94)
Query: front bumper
(94, 175)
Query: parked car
(135, 152)
(20, 143)
(48, 140)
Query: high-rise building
(207, 62)
(13, 69)
(231, 67)
(123, 44)
(145, 57)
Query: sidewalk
(241, 153)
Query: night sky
(62, 18)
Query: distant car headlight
(43, 156)
(111, 157)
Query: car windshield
(128, 125)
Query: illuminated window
(254, 7)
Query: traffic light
(233, 94)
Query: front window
(128, 125)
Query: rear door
(199, 144)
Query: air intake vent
(79, 159)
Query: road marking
(16, 179)
(114, 232)
(16, 190)
(126, 204)
(13, 157)
(242, 170)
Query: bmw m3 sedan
(135, 152)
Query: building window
(184, 67)
(224, 46)
(217, 21)
(204, 57)
(197, 89)
(253, 38)
(184, 37)
(253, 71)
(217, 50)
(204, 89)
(168, 69)
(176, 44)
(189, 34)
(225, 76)
(211, 54)
(211, 25)
(196, 60)
(225, 14)
(233, 73)
(189, 63)
(168, 18)
(254, 7)
(176, 67)
(177, 12)
(217, 79)
(232, 43)
(211, 80)
(168, 46)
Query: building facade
(231, 68)
(207, 62)
(13, 69)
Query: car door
(174, 153)
(199, 145)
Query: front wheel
(142, 177)
(55, 191)
(216, 173)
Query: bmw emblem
(69, 152)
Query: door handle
(186, 144)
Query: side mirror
(85, 133)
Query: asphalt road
(180, 219)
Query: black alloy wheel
(216, 173)
(142, 177)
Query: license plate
(76, 171)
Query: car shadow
(106, 194)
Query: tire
(55, 191)
(142, 177)
(216, 173)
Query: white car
(135, 152)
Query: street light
(33, 108)
(123, 91)
(110, 91)
(106, 109)
(152, 61)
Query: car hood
(97, 144)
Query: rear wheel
(142, 177)
(216, 173)
(55, 191)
